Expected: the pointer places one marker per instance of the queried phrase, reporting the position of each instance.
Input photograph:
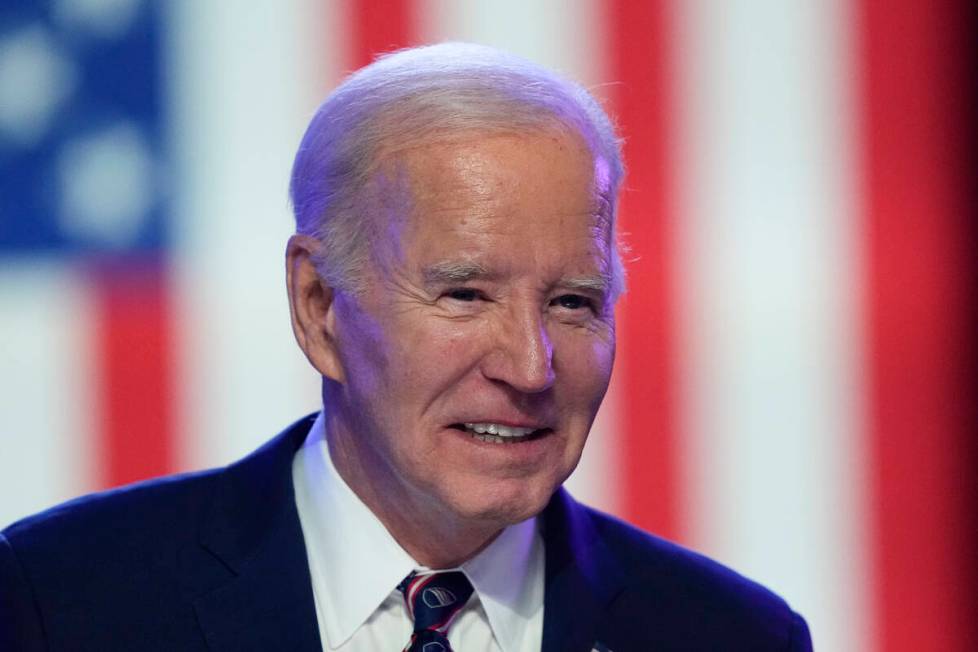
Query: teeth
(490, 439)
(498, 430)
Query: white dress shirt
(356, 565)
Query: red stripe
(135, 375)
(381, 26)
(646, 370)
(919, 324)
(416, 585)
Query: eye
(463, 294)
(572, 302)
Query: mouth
(497, 433)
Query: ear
(311, 303)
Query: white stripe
(242, 92)
(564, 36)
(47, 386)
(325, 46)
(770, 325)
(595, 481)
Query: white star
(34, 80)
(106, 186)
(104, 18)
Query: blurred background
(794, 392)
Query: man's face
(487, 310)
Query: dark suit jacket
(216, 561)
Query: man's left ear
(311, 303)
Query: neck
(429, 532)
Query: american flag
(793, 392)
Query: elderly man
(453, 279)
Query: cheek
(443, 348)
(585, 365)
(463, 341)
(365, 351)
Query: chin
(505, 506)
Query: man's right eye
(463, 294)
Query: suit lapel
(582, 577)
(253, 530)
(266, 600)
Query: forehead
(540, 196)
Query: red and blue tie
(433, 599)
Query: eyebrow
(595, 283)
(464, 271)
(454, 272)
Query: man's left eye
(572, 302)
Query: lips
(498, 433)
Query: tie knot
(434, 598)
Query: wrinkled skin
(487, 302)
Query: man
(453, 280)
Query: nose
(522, 355)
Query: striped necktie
(433, 599)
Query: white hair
(425, 95)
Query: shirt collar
(354, 560)
(356, 563)
(508, 578)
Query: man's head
(454, 279)
(425, 95)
